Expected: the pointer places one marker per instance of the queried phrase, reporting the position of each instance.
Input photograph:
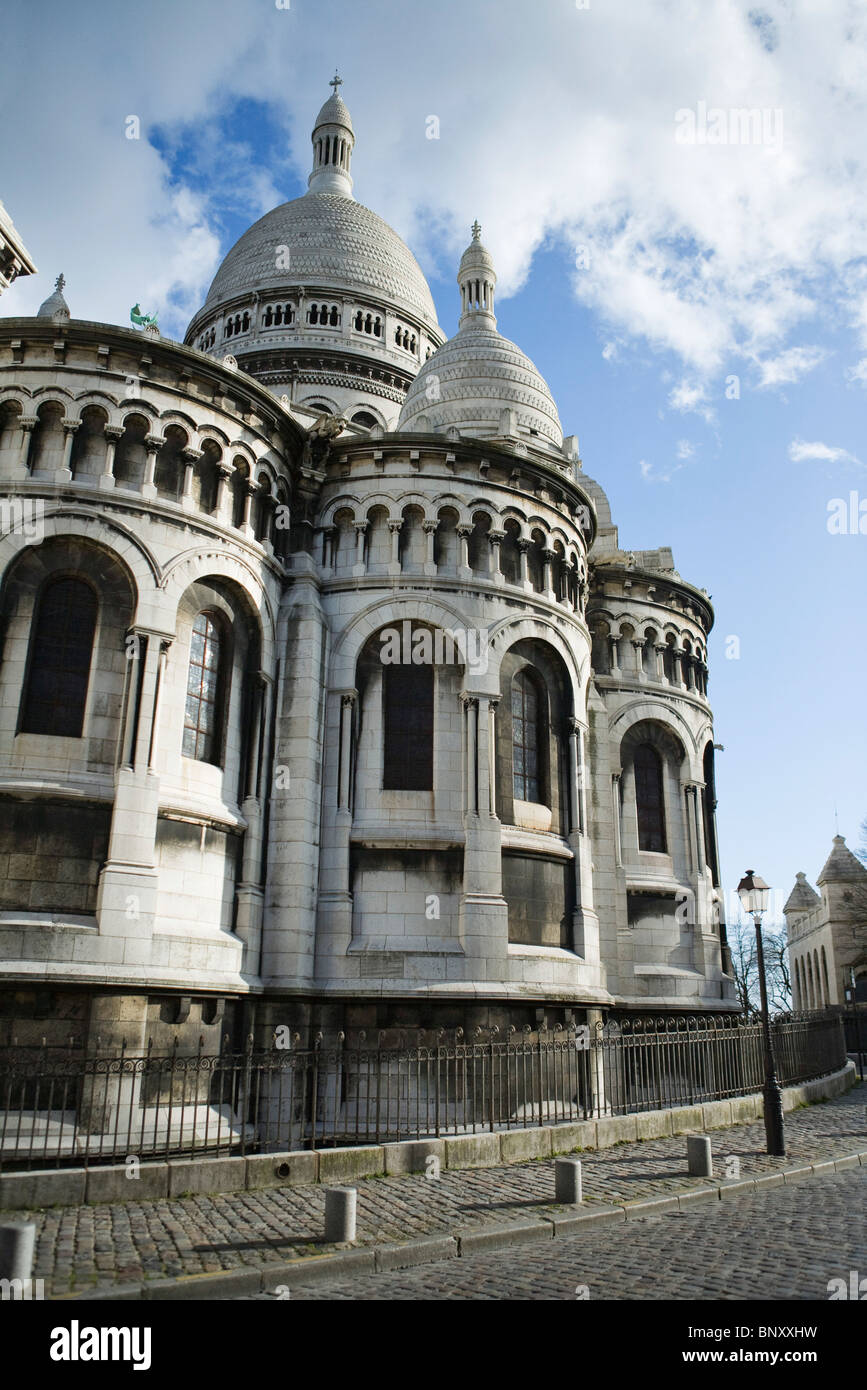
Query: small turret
(333, 143)
(477, 278)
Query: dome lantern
(477, 278)
(333, 143)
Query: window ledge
(554, 846)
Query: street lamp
(753, 893)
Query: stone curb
(433, 1249)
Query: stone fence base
(178, 1177)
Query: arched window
(526, 738)
(60, 656)
(649, 799)
(407, 710)
(203, 712)
(364, 417)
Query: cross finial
(336, 81)
(60, 282)
(476, 230)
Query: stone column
(496, 539)
(153, 444)
(394, 566)
(470, 708)
(549, 558)
(27, 425)
(659, 649)
(249, 895)
(190, 458)
(334, 896)
(492, 756)
(615, 793)
(113, 433)
(523, 551)
(127, 892)
(301, 818)
(64, 473)
(483, 914)
(430, 530)
(347, 716)
(463, 533)
(224, 496)
(158, 699)
(638, 647)
(585, 923)
(246, 527)
(677, 658)
(360, 567)
(614, 640)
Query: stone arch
(89, 445)
(432, 612)
(510, 630)
(47, 441)
(193, 565)
(110, 535)
(660, 713)
(346, 500)
(103, 399)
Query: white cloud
(801, 451)
(858, 373)
(565, 134)
(690, 397)
(790, 365)
(609, 352)
(685, 450)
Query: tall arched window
(649, 799)
(408, 716)
(527, 722)
(60, 656)
(203, 712)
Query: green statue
(143, 320)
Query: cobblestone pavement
(124, 1242)
(782, 1244)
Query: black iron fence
(83, 1108)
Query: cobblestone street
(783, 1244)
(120, 1243)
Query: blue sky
(637, 270)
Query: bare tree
(745, 966)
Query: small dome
(477, 258)
(55, 306)
(335, 112)
(479, 383)
(470, 384)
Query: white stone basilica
(328, 697)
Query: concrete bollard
(17, 1240)
(567, 1180)
(340, 1214)
(698, 1156)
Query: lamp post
(753, 893)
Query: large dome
(333, 242)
